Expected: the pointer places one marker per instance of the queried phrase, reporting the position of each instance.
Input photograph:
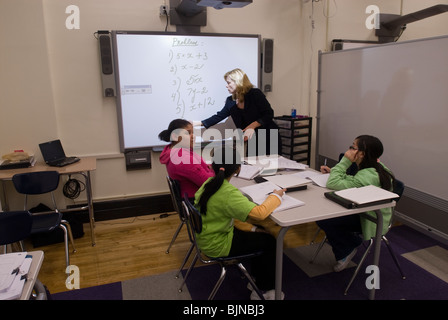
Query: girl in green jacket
(221, 204)
(343, 232)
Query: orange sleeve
(243, 226)
(262, 211)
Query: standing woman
(249, 109)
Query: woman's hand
(250, 130)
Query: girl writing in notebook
(219, 203)
(343, 232)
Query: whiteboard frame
(114, 33)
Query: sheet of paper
(289, 202)
(16, 288)
(287, 180)
(259, 192)
(8, 263)
(275, 162)
(320, 180)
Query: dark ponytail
(226, 162)
(373, 149)
(165, 135)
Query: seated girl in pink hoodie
(185, 165)
(182, 163)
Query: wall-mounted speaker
(267, 64)
(107, 64)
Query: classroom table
(316, 208)
(82, 167)
(31, 281)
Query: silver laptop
(54, 154)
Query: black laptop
(54, 154)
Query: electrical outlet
(163, 10)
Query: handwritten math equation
(187, 62)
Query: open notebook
(259, 192)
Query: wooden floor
(132, 248)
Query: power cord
(73, 188)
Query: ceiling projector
(219, 4)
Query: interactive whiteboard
(164, 76)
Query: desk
(316, 208)
(82, 167)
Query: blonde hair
(243, 84)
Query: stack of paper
(275, 162)
(249, 172)
(267, 165)
(13, 270)
(259, 192)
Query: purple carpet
(111, 291)
(418, 285)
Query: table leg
(90, 206)
(376, 253)
(279, 263)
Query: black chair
(15, 226)
(398, 189)
(176, 198)
(42, 182)
(178, 206)
(194, 226)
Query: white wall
(50, 85)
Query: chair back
(193, 215)
(398, 188)
(176, 196)
(36, 182)
(15, 226)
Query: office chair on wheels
(42, 182)
(398, 189)
(194, 226)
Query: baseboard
(124, 208)
(421, 227)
